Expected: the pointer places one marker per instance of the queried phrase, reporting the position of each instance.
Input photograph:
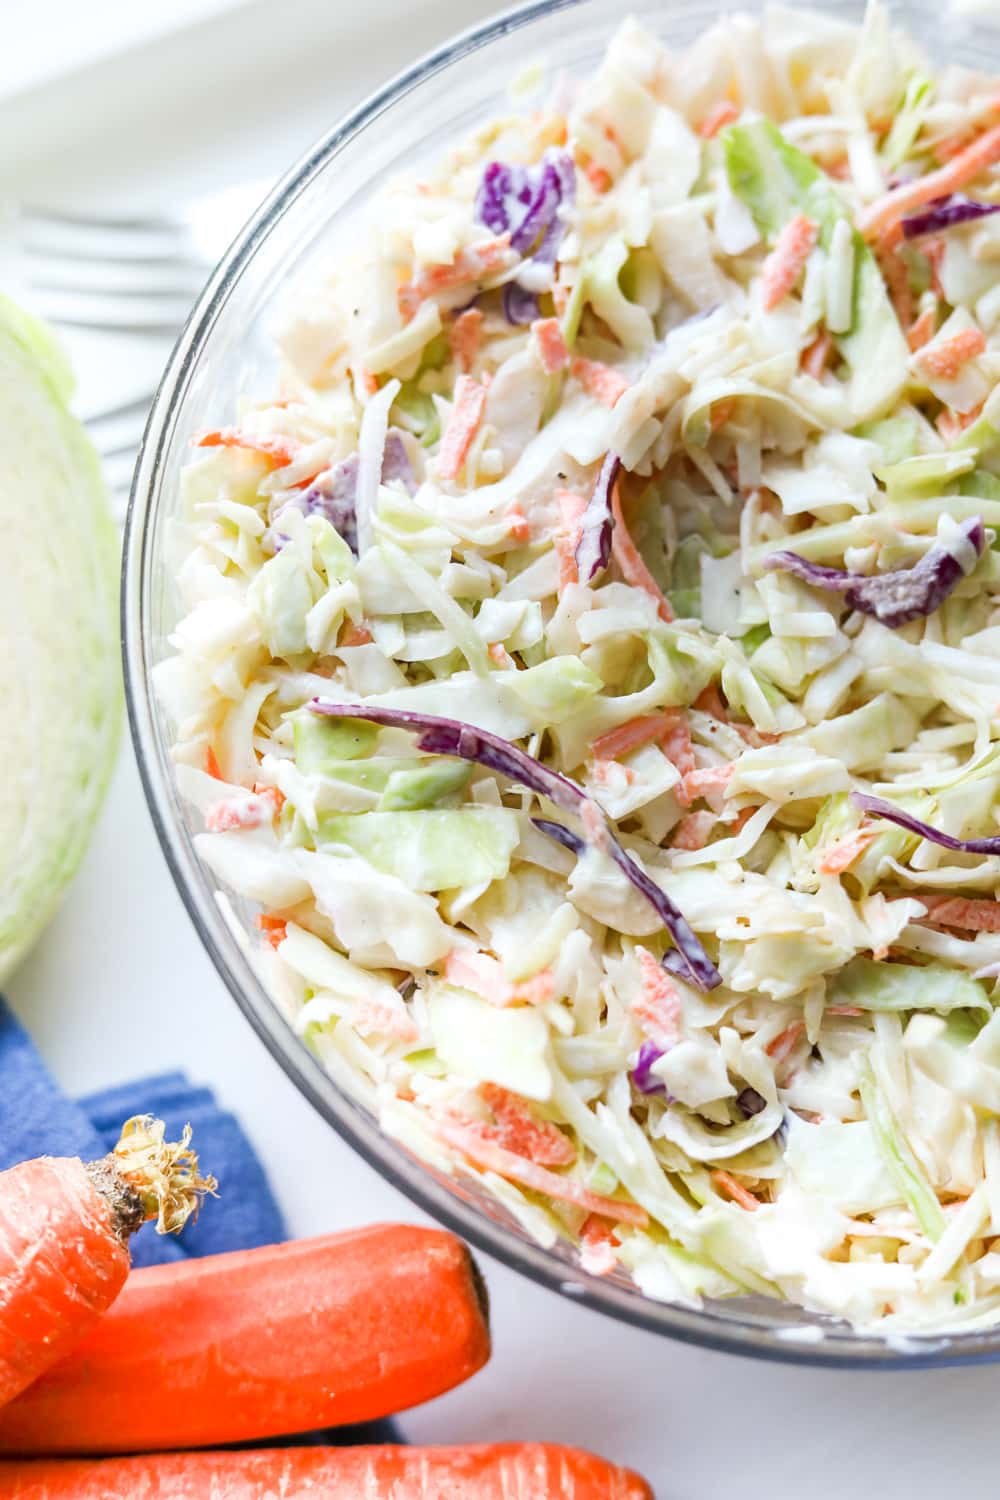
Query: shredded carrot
(519, 529)
(464, 336)
(567, 536)
(484, 975)
(600, 380)
(723, 114)
(551, 344)
(839, 170)
(383, 1018)
(212, 765)
(974, 159)
(517, 1129)
(786, 262)
(844, 1010)
(785, 1044)
(279, 451)
(896, 276)
(735, 1190)
(841, 856)
(676, 745)
(499, 655)
(354, 635)
(923, 329)
(816, 358)
(629, 559)
(633, 734)
(946, 358)
(702, 782)
(721, 412)
(470, 265)
(960, 911)
(597, 1246)
(493, 1158)
(657, 1007)
(599, 179)
(610, 774)
(466, 415)
(693, 831)
(275, 929)
(250, 811)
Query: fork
(132, 276)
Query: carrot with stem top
(251, 1344)
(494, 1471)
(64, 1230)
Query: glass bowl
(227, 349)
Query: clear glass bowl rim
(753, 1338)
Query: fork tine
(123, 314)
(157, 223)
(137, 406)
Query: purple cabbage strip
(525, 203)
(895, 598)
(945, 213)
(750, 1103)
(441, 736)
(593, 550)
(396, 462)
(643, 1077)
(877, 807)
(560, 834)
(334, 495)
(519, 306)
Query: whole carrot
(497, 1471)
(64, 1230)
(259, 1343)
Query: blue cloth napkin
(37, 1119)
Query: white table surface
(120, 984)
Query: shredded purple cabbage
(643, 1077)
(560, 834)
(334, 495)
(593, 550)
(519, 306)
(750, 1103)
(440, 736)
(898, 597)
(525, 203)
(945, 213)
(877, 807)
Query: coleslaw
(587, 669)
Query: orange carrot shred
(551, 344)
(600, 380)
(958, 911)
(466, 415)
(598, 1244)
(567, 536)
(786, 1042)
(279, 451)
(693, 831)
(275, 929)
(735, 1190)
(817, 356)
(923, 329)
(519, 529)
(945, 359)
(494, 1158)
(841, 856)
(519, 1130)
(700, 782)
(629, 559)
(470, 265)
(599, 179)
(723, 114)
(633, 734)
(212, 765)
(974, 159)
(464, 337)
(783, 267)
(657, 1007)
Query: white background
(120, 985)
